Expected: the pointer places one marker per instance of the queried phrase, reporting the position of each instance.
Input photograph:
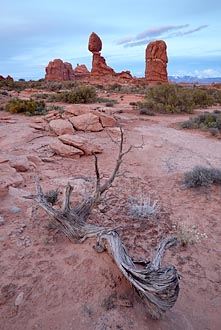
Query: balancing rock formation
(156, 62)
(99, 66)
(156, 66)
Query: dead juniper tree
(157, 285)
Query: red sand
(48, 283)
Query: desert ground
(50, 283)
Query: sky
(32, 33)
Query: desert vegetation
(27, 107)
(207, 121)
(202, 176)
(177, 99)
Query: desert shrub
(202, 176)
(205, 121)
(40, 96)
(187, 235)
(214, 131)
(177, 99)
(188, 124)
(114, 87)
(106, 100)
(55, 107)
(80, 94)
(142, 207)
(146, 112)
(133, 104)
(11, 85)
(99, 86)
(28, 107)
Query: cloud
(180, 34)
(158, 32)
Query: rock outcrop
(8, 78)
(81, 71)
(156, 62)
(99, 65)
(57, 70)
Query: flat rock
(37, 127)
(86, 122)
(82, 143)
(61, 126)
(65, 150)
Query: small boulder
(107, 121)
(61, 126)
(86, 122)
(82, 143)
(65, 150)
(21, 164)
(9, 177)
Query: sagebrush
(202, 176)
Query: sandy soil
(48, 283)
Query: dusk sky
(32, 33)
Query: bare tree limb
(158, 286)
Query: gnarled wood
(158, 286)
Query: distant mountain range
(191, 79)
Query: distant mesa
(156, 62)
(155, 71)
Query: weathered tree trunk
(158, 286)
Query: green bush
(28, 107)
(209, 121)
(80, 94)
(177, 99)
(202, 176)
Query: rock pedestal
(156, 62)
(99, 66)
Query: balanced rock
(57, 70)
(95, 43)
(61, 126)
(87, 122)
(81, 143)
(99, 65)
(156, 62)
